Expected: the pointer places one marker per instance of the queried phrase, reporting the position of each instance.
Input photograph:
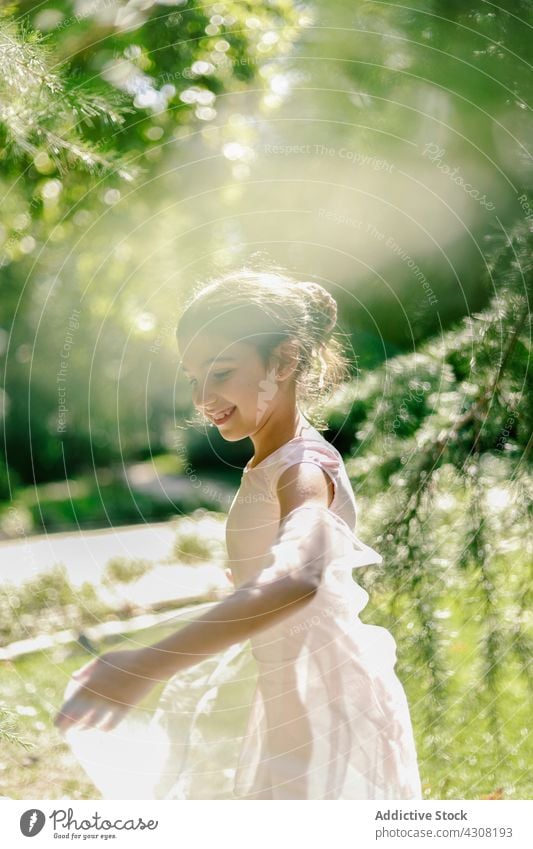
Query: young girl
(329, 719)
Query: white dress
(329, 719)
(325, 716)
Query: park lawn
(468, 748)
(33, 687)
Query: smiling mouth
(224, 416)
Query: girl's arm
(272, 595)
(116, 681)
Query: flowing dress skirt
(320, 714)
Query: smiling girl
(329, 718)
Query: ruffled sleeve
(339, 541)
(341, 514)
(314, 544)
(312, 539)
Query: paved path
(86, 553)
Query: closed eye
(220, 375)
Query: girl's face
(229, 378)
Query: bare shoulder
(304, 483)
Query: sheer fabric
(310, 708)
(330, 719)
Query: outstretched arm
(116, 681)
(276, 592)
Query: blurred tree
(441, 448)
(90, 96)
(438, 92)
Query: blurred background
(380, 149)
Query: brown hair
(265, 307)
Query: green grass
(33, 687)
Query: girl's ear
(286, 357)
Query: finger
(65, 717)
(103, 719)
(97, 717)
(90, 718)
(71, 712)
(65, 720)
(115, 718)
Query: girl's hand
(109, 686)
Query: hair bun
(322, 307)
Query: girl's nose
(203, 397)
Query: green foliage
(8, 482)
(442, 455)
(124, 570)
(91, 105)
(459, 396)
(40, 121)
(103, 504)
(8, 728)
(46, 604)
(461, 51)
(437, 441)
(190, 547)
(98, 93)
